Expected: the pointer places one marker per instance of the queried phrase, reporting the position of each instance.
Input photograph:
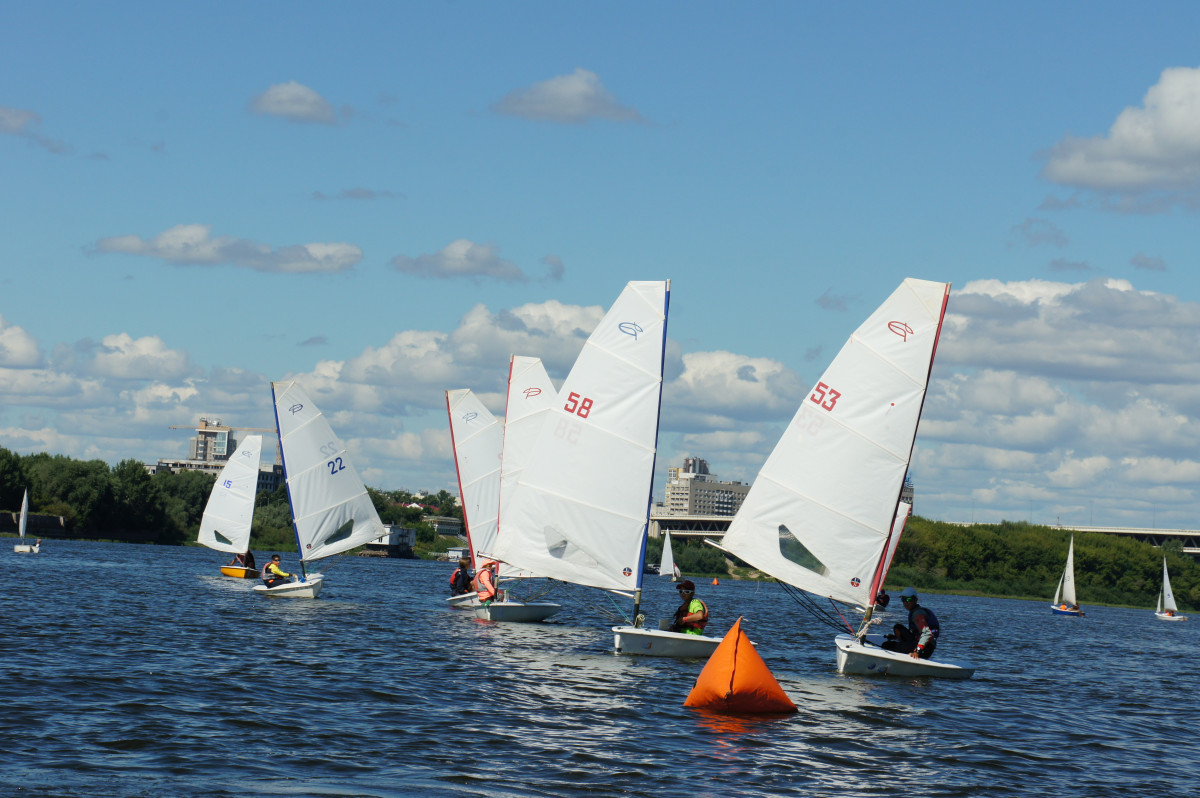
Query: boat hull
(310, 588)
(868, 660)
(660, 643)
(467, 601)
(1162, 616)
(1060, 611)
(516, 611)
(26, 548)
(239, 572)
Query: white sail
(666, 566)
(1066, 585)
(477, 438)
(581, 505)
(821, 512)
(1166, 599)
(225, 525)
(331, 509)
(24, 515)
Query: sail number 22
(824, 397)
(579, 405)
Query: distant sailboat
(1167, 611)
(1064, 597)
(331, 509)
(667, 566)
(225, 525)
(23, 547)
(825, 513)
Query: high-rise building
(693, 490)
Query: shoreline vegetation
(1005, 560)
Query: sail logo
(532, 392)
(855, 581)
(901, 328)
(631, 328)
(296, 408)
(469, 417)
(627, 571)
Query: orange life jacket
(484, 584)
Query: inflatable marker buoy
(715, 581)
(736, 680)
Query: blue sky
(385, 200)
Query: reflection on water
(137, 670)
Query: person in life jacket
(919, 640)
(485, 582)
(272, 574)
(692, 615)
(461, 579)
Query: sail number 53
(579, 405)
(824, 396)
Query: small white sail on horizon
(229, 513)
(23, 547)
(1166, 610)
(1065, 602)
(667, 566)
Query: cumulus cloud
(294, 102)
(121, 356)
(1153, 147)
(569, 99)
(24, 124)
(462, 258)
(18, 349)
(193, 244)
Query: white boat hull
(869, 660)
(310, 588)
(660, 643)
(1162, 616)
(517, 611)
(26, 548)
(467, 601)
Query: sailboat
(331, 510)
(581, 507)
(1064, 597)
(23, 547)
(825, 513)
(1167, 611)
(225, 525)
(667, 566)
(476, 438)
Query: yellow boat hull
(238, 572)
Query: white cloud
(18, 349)
(193, 244)
(571, 99)
(462, 258)
(296, 103)
(1149, 148)
(24, 124)
(123, 357)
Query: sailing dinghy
(667, 566)
(225, 525)
(331, 510)
(1167, 611)
(1064, 597)
(580, 509)
(23, 547)
(476, 438)
(824, 514)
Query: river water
(140, 671)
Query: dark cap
(686, 584)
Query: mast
(287, 483)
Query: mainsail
(1065, 594)
(477, 438)
(826, 504)
(331, 510)
(225, 525)
(1166, 599)
(580, 506)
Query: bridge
(715, 526)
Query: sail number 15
(579, 405)
(824, 396)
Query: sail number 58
(579, 405)
(824, 396)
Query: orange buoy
(715, 581)
(736, 680)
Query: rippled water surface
(137, 670)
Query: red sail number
(580, 406)
(824, 396)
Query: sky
(385, 200)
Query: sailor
(485, 582)
(692, 614)
(919, 640)
(272, 574)
(460, 580)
